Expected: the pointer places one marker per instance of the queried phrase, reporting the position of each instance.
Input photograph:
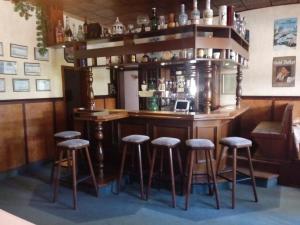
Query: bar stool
(73, 146)
(236, 143)
(59, 137)
(163, 144)
(205, 145)
(136, 140)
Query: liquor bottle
(183, 17)
(59, 32)
(80, 34)
(68, 32)
(208, 14)
(85, 29)
(74, 33)
(195, 14)
(154, 20)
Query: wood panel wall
(27, 128)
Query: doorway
(73, 87)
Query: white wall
(17, 30)
(257, 79)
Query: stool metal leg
(252, 174)
(91, 170)
(151, 172)
(172, 178)
(234, 177)
(122, 167)
(213, 174)
(57, 176)
(207, 172)
(141, 171)
(74, 179)
(189, 180)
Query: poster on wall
(285, 34)
(284, 71)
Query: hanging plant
(23, 8)
(26, 10)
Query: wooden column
(99, 150)
(207, 86)
(90, 91)
(239, 77)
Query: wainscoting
(27, 127)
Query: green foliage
(26, 10)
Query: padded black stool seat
(72, 146)
(236, 143)
(207, 147)
(163, 144)
(138, 140)
(69, 134)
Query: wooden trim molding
(246, 97)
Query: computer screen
(182, 106)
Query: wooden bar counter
(214, 126)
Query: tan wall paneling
(39, 120)
(110, 103)
(12, 138)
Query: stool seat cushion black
(67, 134)
(166, 141)
(236, 142)
(74, 144)
(135, 138)
(200, 144)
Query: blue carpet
(29, 197)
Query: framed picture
(39, 57)
(2, 85)
(1, 49)
(228, 84)
(21, 85)
(285, 33)
(43, 85)
(32, 69)
(8, 67)
(69, 54)
(18, 51)
(284, 70)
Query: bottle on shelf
(208, 14)
(74, 34)
(85, 29)
(80, 34)
(59, 32)
(223, 15)
(230, 15)
(68, 31)
(195, 14)
(183, 17)
(154, 20)
(171, 23)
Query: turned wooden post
(239, 77)
(207, 86)
(90, 91)
(99, 151)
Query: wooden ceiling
(105, 11)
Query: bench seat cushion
(268, 129)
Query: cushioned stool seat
(236, 142)
(67, 134)
(201, 144)
(74, 144)
(166, 141)
(135, 138)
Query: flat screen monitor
(182, 106)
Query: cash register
(182, 105)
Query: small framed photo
(38, 56)
(8, 67)
(1, 49)
(69, 54)
(228, 84)
(43, 85)
(2, 85)
(18, 51)
(21, 85)
(32, 69)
